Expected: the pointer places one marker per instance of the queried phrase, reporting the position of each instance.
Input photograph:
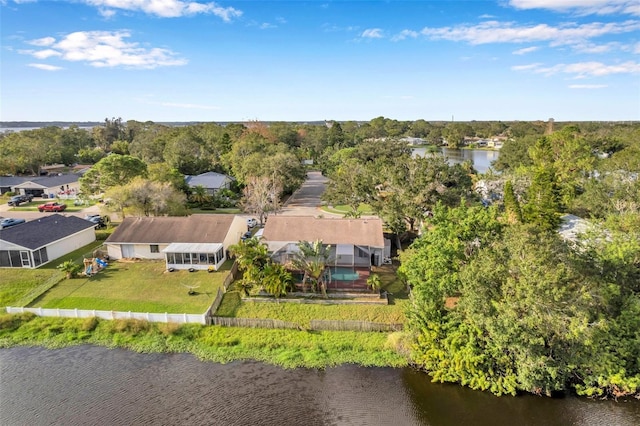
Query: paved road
(306, 200)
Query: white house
(40, 241)
(64, 186)
(197, 241)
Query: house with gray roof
(8, 182)
(43, 240)
(62, 185)
(211, 181)
(192, 242)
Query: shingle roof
(365, 232)
(208, 180)
(49, 181)
(40, 232)
(9, 181)
(197, 228)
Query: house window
(154, 248)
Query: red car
(52, 207)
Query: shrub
(169, 328)
(89, 324)
(11, 322)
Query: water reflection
(481, 159)
(89, 385)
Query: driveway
(306, 200)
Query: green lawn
(33, 205)
(20, 286)
(142, 286)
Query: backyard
(140, 286)
(303, 313)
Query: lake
(480, 158)
(88, 385)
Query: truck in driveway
(16, 200)
(52, 207)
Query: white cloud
(525, 50)
(372, 33)
(583, 69)
(267, 26)
(526, 67)
(584, 7)
(45, 67)
(165, 8)
(587, 86)
(508, 32)
(404, 34)
(107, 49)
(41, 42)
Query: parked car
(52, 207)
(97, 220)
(251, 222)
(10, 221)
(246, 236)
(16, 200)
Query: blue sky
(193, 60)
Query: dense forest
(500, 300)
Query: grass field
(138, 287)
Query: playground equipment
(93, 265)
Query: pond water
(480, 158)
(87, 385)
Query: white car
(251, 222)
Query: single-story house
(197, 241)
(40, 241)
(354, 242)
(211, 181)
(64, 186)
(8, 182)
(354, 246)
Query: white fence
(113, 315)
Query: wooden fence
(352, 325)
(254, 323)
(229, 279)
(113, 315)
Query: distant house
(64, 186)
(197, 241)
(354, 242)
(413, 141)
(211, 181)
(8, 182)
(40, 241)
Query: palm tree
(374, 282)
(312, 259)
(276, 279)
(252, 256)
(70, 268)
(200, 196)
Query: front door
(128, 251)
(25, 258)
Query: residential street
(306, 200)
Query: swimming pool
(343, 274)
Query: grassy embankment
(285, 348)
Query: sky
(194, 60)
